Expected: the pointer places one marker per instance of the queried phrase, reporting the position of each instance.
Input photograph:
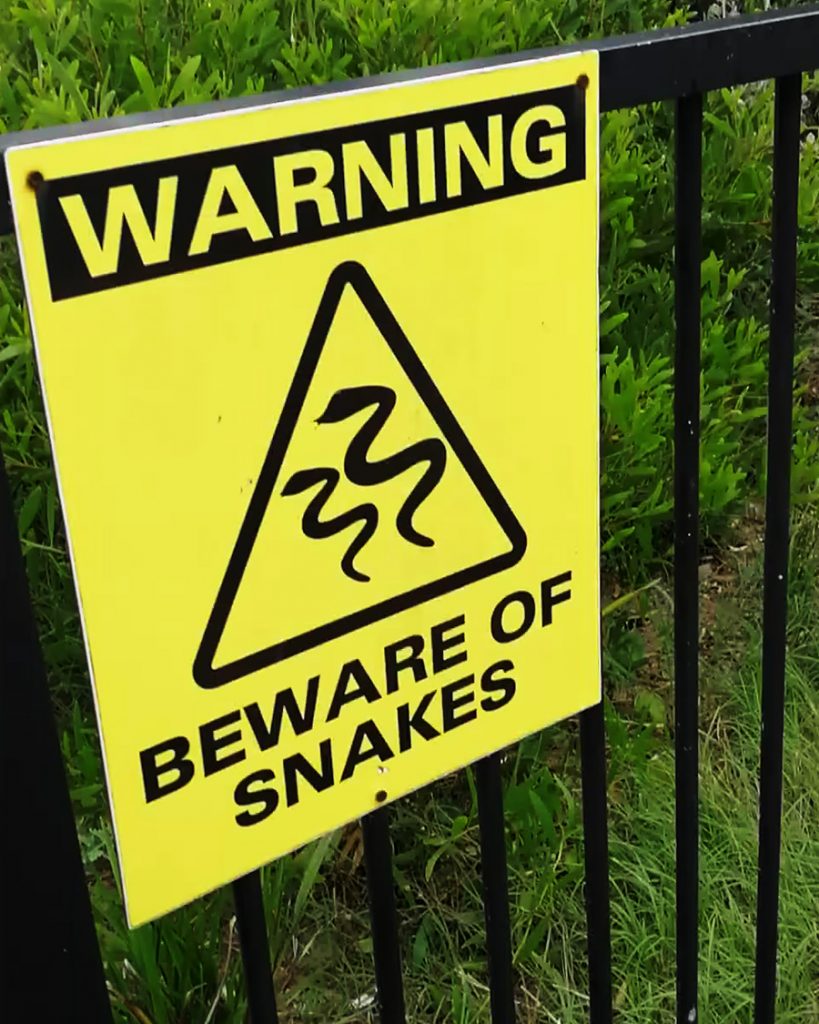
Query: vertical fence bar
(250, 918)
(777, 516)
(495, 889)
(375, 828)
(596, 853)
(50, 968)
(686, 541)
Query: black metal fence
(47, 924)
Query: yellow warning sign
(425, 469)
(321, 378)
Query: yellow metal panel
(322, 385)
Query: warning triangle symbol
(342, 530)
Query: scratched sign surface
(322, 385)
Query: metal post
(596, 851)
(383, 919)
(250, 918)
(50, 969)
(686, 538)
(495, 889)
(777, 522)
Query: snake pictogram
(364, 471)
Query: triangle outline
(356, 276)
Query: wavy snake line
(364, 471)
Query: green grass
(79, 59)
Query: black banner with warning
(117, 227)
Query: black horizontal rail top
(641, 68)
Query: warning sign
(439, 472)
(321, 379)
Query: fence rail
(43, 886)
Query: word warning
(321, 378)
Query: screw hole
(381, 796)
(582, 81)
(34, 180)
